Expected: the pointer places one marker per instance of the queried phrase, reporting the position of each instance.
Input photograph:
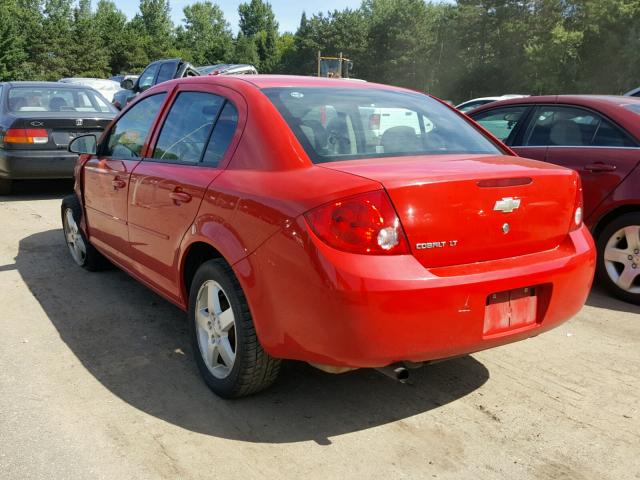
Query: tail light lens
(578, 212)
(374, 121)
(365, 224)
(26, 135)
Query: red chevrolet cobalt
(345, 224)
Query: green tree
(12, 51)
(90, 56)
(56, 58)
(206, 35)
(258, 22)
(154, 20)
(245, 50)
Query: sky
(287, 11)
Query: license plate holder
(510, 310)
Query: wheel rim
(75, 242)
(216, 329)
(622, 258)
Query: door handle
(600, 167)
(118, 184)
(180, 197)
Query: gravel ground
(97, 381)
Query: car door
(585, 141)
(106, 176)
(507, 124)
(168, 186)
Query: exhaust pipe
(396, 371)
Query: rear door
(168, 186)
(106, 176)
(585, 141)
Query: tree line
(458, 50)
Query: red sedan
(345, 224)
(599, 137)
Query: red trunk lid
(458, 209)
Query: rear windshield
(57, 99)
(335, 124)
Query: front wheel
(226, 347)
(619, 257)
(83, 253)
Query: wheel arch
(195, 255)
(611, 215)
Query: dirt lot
(96, 381)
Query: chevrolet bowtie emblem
(507, 205)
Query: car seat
(566, 132)
(57, 103)
(400, 139)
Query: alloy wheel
(622, 258)
(216, 332)
(74, 239)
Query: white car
(107, 88)
(476, 102)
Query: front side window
(56, 99)
(335, 124)
(147, 77)
(126, 138)
(573, 127)
(501, 122)
(187, 127)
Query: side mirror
(85, 144)
(127, 84)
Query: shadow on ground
(600, 298)
(22, 190)
(136, 345)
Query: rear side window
(187, 128)
(128, 135)
(167, 72)
(147, 77)
(222, 135)
(335, 124)
(574, 127)
(501, 122)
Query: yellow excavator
(334, 67)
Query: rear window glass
(57, 99)
(335, 124)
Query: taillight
(26, 135)
(578, 211)
(374, 121)
(365, 223)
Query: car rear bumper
(312, 303)
(36, 164)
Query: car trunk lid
(459, 209)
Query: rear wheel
(619, 257)
(5, 186)
(82, 252)
(226, 347)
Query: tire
(82, 252)
(225, 345)
(618, 266)
(5, 186)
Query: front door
(168, 186)
(106, 177)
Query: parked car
(477, 102)
(228, 69)
(107, 88)
(121, 78)
(37, 121)
(155, 73)
(285, 234)
(599, 137)
(633, 93)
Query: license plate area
(511, 310)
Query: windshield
(57, 99)
(347, 123)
